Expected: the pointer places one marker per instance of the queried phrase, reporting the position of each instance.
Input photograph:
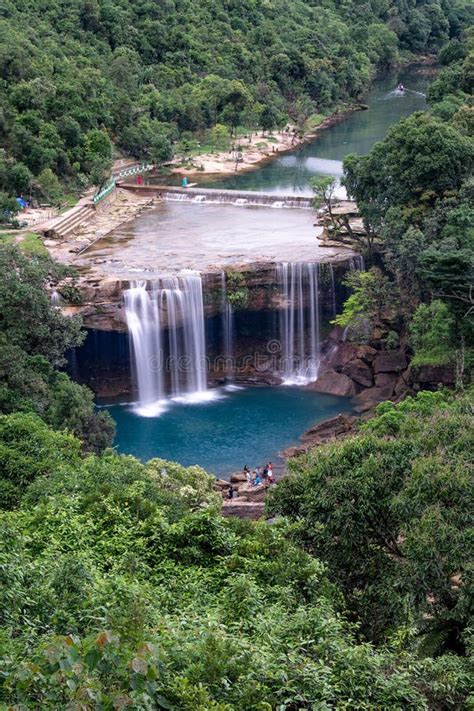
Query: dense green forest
(390, 513)
(34, 339)
(77, 77)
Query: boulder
(294, 451)
(390, 362)
(336, 334)
(339, 426)
(221, 485)
(401, 387)
(248, 492)
(366, 353)
(333, 383)
(360, 372)
(383, 379)
(243, 509)
(342, 354)
(434, 375)
(368, 399)
(328, 429)
(237, 477)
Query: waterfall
(240, 198)
(143, 321)
(357, 263)
(183, 372)
(56, 298)
(182, 298)
(299, 322)
(333, 290)
(227, 331)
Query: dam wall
(211, 196)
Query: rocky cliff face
(368, 373)
(371, 374)
(253, 287)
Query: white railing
(125, 173)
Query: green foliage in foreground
(390, 510)
(432, 329)
(123, 587)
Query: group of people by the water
(260, 475)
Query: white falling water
(56, 298)
(183, 373)
(333, 290)
(357, 263)
(143, 321)
(299, 322)
(227, 331)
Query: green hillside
(145, 73)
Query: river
(290, 174)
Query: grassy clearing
(314, 121)
(30, 243)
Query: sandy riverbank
(253, 150)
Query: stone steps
(64, 225)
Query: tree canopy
(390, 511)
(34, 340)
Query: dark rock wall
(372, 373)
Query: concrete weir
(209, 195)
